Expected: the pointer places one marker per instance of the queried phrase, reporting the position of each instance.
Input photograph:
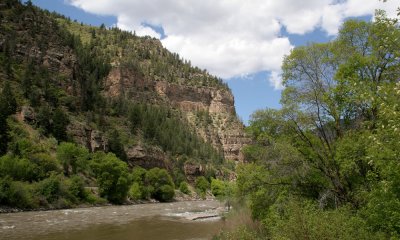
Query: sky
(243, 42)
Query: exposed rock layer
(223, 130)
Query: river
(134, 222)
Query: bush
(94, 199)
(112, 176)
(156, 180)
(135, 192)
(76, 188)
(307, 221)
(72, 157)
(138, 174)
(46, 163)
(18, 168)
(184, 188)
(217, 187)
(165, 193)
(202, 184)
(51, 188)
(16, 194)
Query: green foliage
(166, 128)
(184, 188)
(202, 184)
(50, 188)
(76, 188)
(8, 106)
(160, 184)
(112, 176)
(334, 145)
(305, 221)
(116, 146)
(60, 123)
(217, 187)
(20, 169)
(135, 192)
(16, 194)
(72, 157)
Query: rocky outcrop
(192, 171)
(148, 158)
(94, 140)
(28, 114)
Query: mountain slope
(115, 92)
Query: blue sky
(250, 81)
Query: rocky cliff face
(220, 126)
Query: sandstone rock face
(224, 131)
(192, 171)
(146, 158)
(94, 140)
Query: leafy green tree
(202, 184)
(217, 187)
(112, 176)
(59, 124)
(160, 184)
(20, 169)
(183, 187)
(116, 146)
(135, 191)
(72, 157)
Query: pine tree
(8, 106)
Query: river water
(162, 221)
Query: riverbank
(179, 197)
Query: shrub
(138, 174)
(72, 157)
(46, 163)
(156, 180)
(51, 188)
(165, 193)
(112, 176)
(76, 188)
(18, 168)
(202, 184)
(16, 194)
(135, 192)
(217, 187)
(184, 188)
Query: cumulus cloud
(232, 37)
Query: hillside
(107, 91)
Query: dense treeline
(326, 166)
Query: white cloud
(233, 37)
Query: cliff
(209, 110)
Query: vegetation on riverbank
(327, 165)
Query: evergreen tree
(8, 106)
(60, 122)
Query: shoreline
(6, 210)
